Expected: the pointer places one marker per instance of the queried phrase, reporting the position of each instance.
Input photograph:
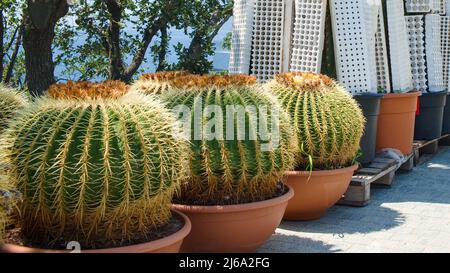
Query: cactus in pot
(329, 125)
(328, 121)
(10, 102)
(94, 163)
(241, 145)
(156, 83)
(232, 167)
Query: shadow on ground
(280, 243)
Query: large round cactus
(156, 83)
(94, 163)
(10, 102)
(233, 159)
(4, 188)
(328, 121)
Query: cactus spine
(328, 121)
(231, 170)
(97, 168)
(156, 83)
(10, 102)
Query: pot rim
(238, 207)
(323, 172)
(148, 246)
(402, 95)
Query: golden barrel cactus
(328, 121)
(156, 83)
(94, 162)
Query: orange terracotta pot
(396, 121)
(316, 192)
(233, 228)
(170, 244)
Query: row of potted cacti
(104, 165)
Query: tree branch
(13, 60)
(115, 54)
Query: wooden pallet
(381, 171)
(426, 149)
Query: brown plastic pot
(169, 244)
(316, 192)
(233, 228)
(396, 121)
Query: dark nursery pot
(446, 122)
(233, 228)
(396, 121)
(431, 113)
(169, 244)
(370, 104)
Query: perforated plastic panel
(447, 7)
(433, 52)
(416, 36)
(438, 6)
(399, 47)
(382, 65)
(308, 35)
(445, 47)
(241, 45)
(354, 41)
(267, 51)
(415, 6)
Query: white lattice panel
(241, 45)
(433, 52)
(398, 47)
(308, 35)
(354, 41)
(445, 47)
(447, 7)
(267, 51)
(381, 57)
(418, 6)
(416, 36)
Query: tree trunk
(40, 19)
(39, 59)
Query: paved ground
(411, 216)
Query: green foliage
(12, 61)
(328, 121)
(229, 164)
(226, 43)
(11, 101)
(92, 170)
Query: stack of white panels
(267, 51)
(308, 35)
(399, 47)
(382, 65)
(434, 52)
(241, 44)
(354, 40)
(416, 35)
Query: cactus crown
(230, 159)
(157, 83)
(95, 170)
(10, 102)
(88, 90)
(216, 81)
(328, 121)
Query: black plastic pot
(370, 104)
(446, 122)
(431, 114)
